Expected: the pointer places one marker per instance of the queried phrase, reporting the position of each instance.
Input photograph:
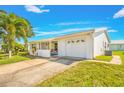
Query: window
(120, 47)
(68, 42)
(44, 45)
(82, 41)
(72, 41)
(78, 41)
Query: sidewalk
(115, 60)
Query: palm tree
(14, 27)
(24, 30)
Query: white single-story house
(86, 44)
(117, 45)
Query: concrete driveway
(29, 73)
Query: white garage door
(76, 48)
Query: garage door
(76, 48)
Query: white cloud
(112, 30)
(35, 9)
(41, 6)
(43, 33)
(69, 23)
(119, 14)
(79, 22)
(36, 28)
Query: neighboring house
(117, 45)
(85, 44)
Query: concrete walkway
(29, 73)
(115, 60)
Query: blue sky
(51, 21)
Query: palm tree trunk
(10, 53)
(26, 45)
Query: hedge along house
(86, 44)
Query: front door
(54, 50)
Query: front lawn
(89, 74)
(5, 60)
(104, 58)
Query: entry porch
(45, 48)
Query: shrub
(19, 48)
(2, 52)
(23, 53)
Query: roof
(117, 42)
(105, 31)
(75, 33)
(43, 40)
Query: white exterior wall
(86, 47)
(99, 39)
(89, 48)
(61, 48)
(116, 46)
(43, 53)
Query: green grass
(5, 60)
(2, 56)
(89, 74)
(104, 58)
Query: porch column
(37, 45)
(50, 45)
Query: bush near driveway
(23, 53)
(89, 74)
(104, 58)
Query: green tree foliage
(17, 48)
(13, 27)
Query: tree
(14, 27)
(24, 30)
(19, 48)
